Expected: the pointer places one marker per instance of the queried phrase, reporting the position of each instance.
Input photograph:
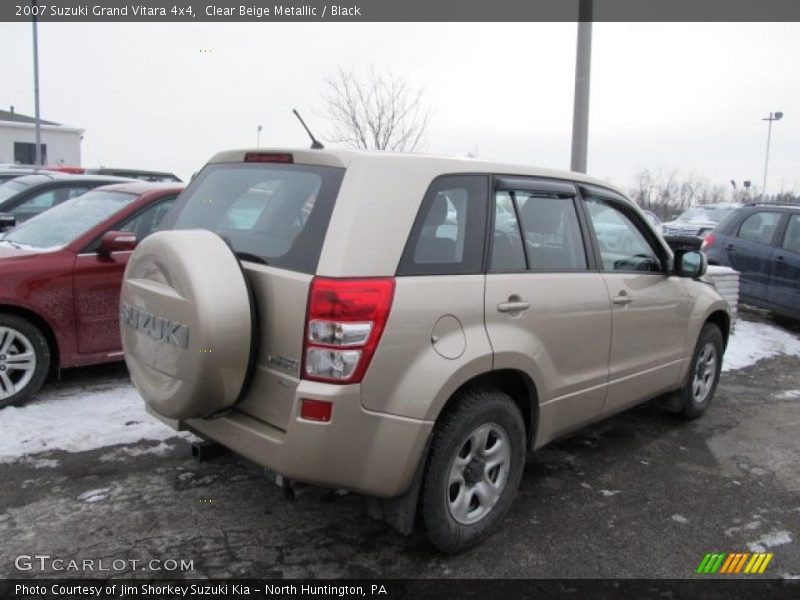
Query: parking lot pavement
(640, 495)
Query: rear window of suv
(273, 214)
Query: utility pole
(583, 67)
(38, 153)
(258, 136)
(776, 116)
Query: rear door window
(759, 227)
(553, 239)
(273, 214)
(508, 252)
(791, 240)
(549, 238)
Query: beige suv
(410, 327)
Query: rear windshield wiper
(250, 258)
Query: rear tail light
(344, 323)
(708, 241)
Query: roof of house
(7, 115)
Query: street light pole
(776, 116)
(583, 63)
(258, 136)
(38, 151)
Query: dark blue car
(762, 242)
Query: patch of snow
(788, 395)
(95, 495)
(776, 538)
(76, 419)
(751, 342)
(746, 527)
(120, 454)
(679, 519)
(39, 463)
(608, 493)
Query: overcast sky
(664, 96)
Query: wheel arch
(721, 319)
(45, 327)
(517, 384)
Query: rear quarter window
(448, 235)
(274, 214)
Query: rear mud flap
(400, 513)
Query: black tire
(693, 404)
(27, 337)
(479, 409)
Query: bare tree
(672, 193)
(376, 112)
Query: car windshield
(12, 187)
(705, 213)
(274, 214)
(61, 225)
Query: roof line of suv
(433, 164)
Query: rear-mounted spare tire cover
(186, 323)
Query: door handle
(516, 306)
(623, 298)
(779, 258)
(729, 247)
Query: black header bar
(66, 11)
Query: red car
(60, 276)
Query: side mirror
(116, 241)
(7, 221)
(690, 263)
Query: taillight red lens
(708, 241)
(268, 157)
(344, 323)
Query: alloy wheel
(705, 372)
(478, 473)
(17, 362)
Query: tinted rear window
(276, 214)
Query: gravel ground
(642, 494)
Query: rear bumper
(358, 450)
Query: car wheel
(24, 360)
(704, 371)
(474, 468)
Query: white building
(61, 145)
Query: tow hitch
(206, 451)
